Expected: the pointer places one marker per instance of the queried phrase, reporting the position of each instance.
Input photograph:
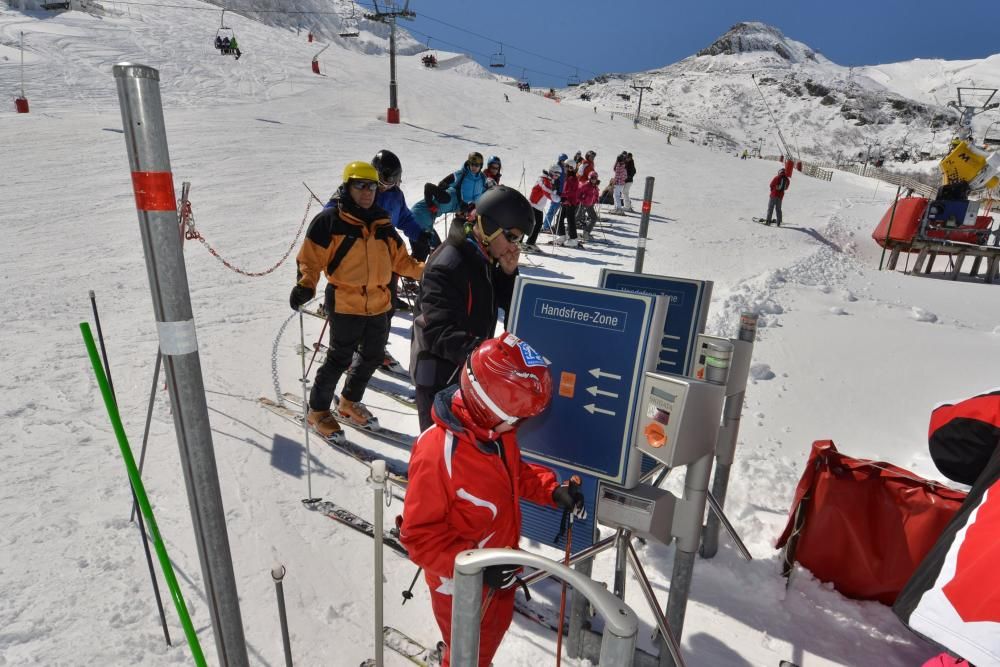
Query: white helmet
(554, 170)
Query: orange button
(567, 384)
(655, 435)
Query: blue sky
(634, 35)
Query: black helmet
(503, 207)
(388, 166)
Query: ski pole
(408, 593)
(305, 406)
(140, 492)
(149, 418)
(142, 526)
(562, 595)
(278, 573)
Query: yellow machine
(975, 166)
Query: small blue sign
(689, 301)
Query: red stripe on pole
(647, 206)
(154, 191)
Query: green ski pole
(140, 492)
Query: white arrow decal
(594, 391)
(598, 373)
(591, 408)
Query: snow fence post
(647, 205)
(156, 205)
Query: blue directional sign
(689, 301)
(598, 343)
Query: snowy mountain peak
(753, 36)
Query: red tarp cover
(867, 524)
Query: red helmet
(505, 380)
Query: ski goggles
(365, 185)
(389, 181)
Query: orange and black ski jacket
(360, 276)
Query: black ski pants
(567, 217)
(365, 333)
(538, 226)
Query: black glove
(568, 496)
(499, 577)
(300, 296)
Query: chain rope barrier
(192, 234)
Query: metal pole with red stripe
(647, 206)
(156, 205)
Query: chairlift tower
(972, 102)
(388, 14)
(641, 85)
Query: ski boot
(357, 414)
(324, 423)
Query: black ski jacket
(461, 292)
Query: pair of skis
(764, 222)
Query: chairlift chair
(573, 81)
(223, 33)
(349, 24)
(429, 59)
(498, 59)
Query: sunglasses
(364, 185)
(512, 236)
(475, 164)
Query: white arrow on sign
(591, 408)
(594, 391)
(598, 373)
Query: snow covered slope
(844, 352)
(826, 111)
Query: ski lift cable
(474, 52)
(493, 39)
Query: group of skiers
(473, 390)
(228, 46)
(571, 189)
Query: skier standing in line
(629, 177)
(554, 208)
(466, 478)
(467, 280)
(492, 171)
(588, 195)
(779, 185)
(567, 216)
(466, 185)
(358, 250)
(545, 190)
(621, 173)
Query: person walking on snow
(629, 177)
(545, 190)
(467, 478)
(358, 250)
(621, 173)
(467, 280)
(779, 186)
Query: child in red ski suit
(588, 194)
(466, 478)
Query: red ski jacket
(542, 192)
(464, 490)
(779, 186)
(570, 191)
(588, 194)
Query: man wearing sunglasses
(466, 281)
(466, 479)
(357, 248)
